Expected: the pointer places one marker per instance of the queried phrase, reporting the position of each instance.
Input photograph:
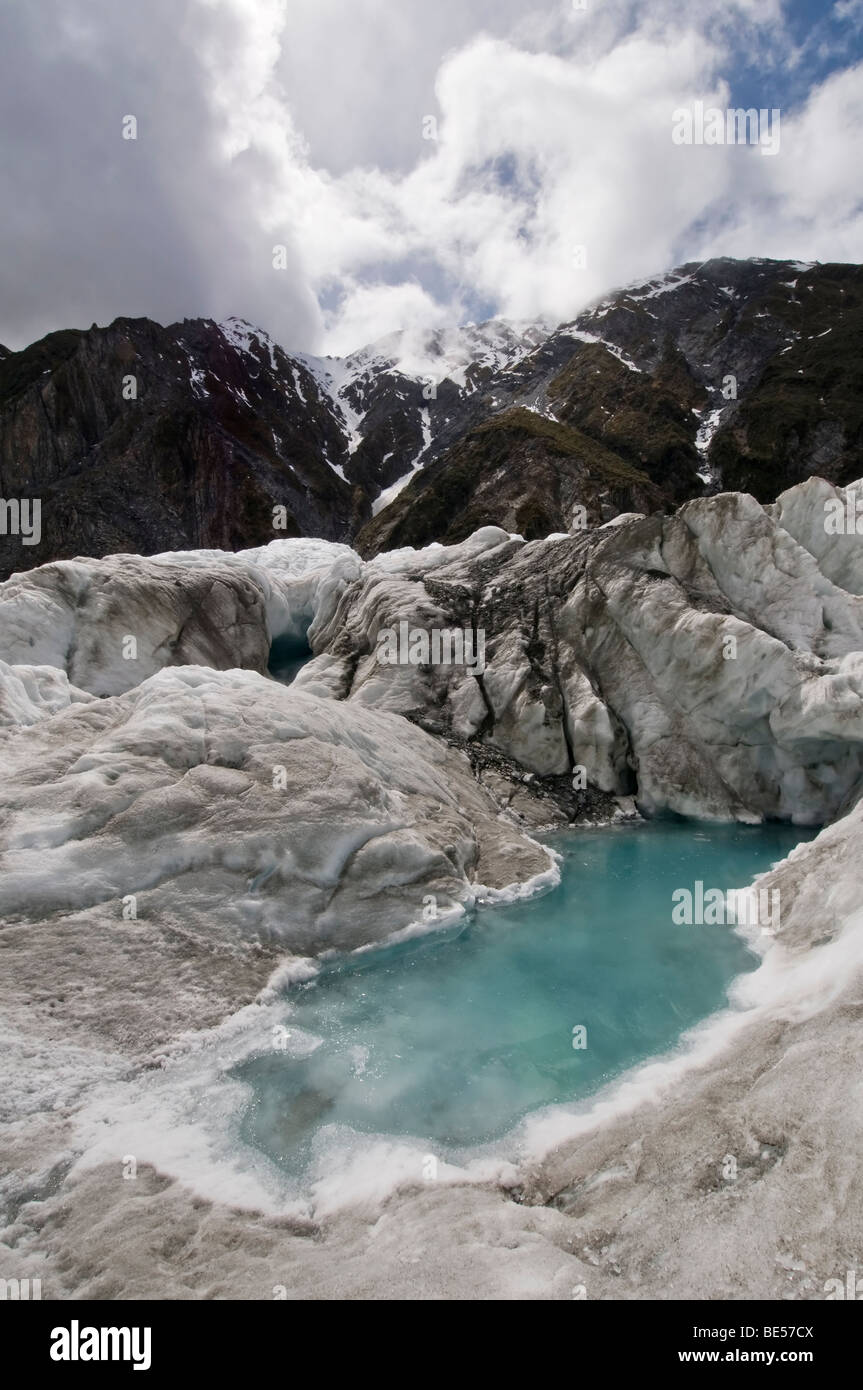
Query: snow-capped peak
(241, 334)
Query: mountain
(217, 435)
(141, 438)
(405, 396)
(744, 373)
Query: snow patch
(242, 335)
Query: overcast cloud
(301, 123)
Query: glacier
(179, 833)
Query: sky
(417, 163)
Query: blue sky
(824, 42)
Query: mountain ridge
(740, 372)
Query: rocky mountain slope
(744, 373)
(141, 438)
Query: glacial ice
(164, 795)
(31, 693)
(704, 658)
(315, 824)
(703, 661)
(203, 607)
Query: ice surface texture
(603, 649)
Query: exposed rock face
(217, 435)
(222, 428)
(805, 413)
(403, 399)
(626, 408)
(744, 372)
(520, 471)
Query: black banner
(154, 1339)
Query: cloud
(805, 203)
(369, 312)
(164, 225)
(302, 125)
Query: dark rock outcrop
(741, 374)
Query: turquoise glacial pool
(453, 1037)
